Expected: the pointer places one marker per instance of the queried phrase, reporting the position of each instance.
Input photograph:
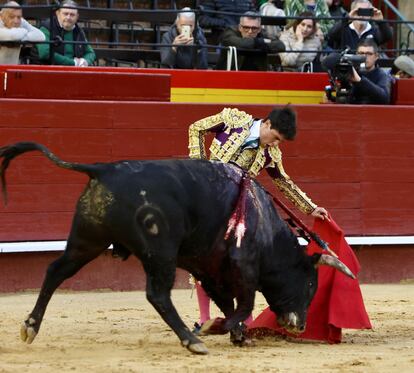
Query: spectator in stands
(372, 86)
(319, 8)
(219, 22)
(180, 35)
(405, 66)
(272, 8)
(252, 48)
(336, 9)
(64, 27)
(349, 33)
(13, 27)
(300, 35)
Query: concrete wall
(406, 8)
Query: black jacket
(56, 31)
(374, 88)
(251, 52)
(341, 35)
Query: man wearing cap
(65, 30)
(14, 28)
(405, 66)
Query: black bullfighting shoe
(197, 328)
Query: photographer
(353, 84)
(371, 25)
(373, 86)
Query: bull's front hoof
(245, 342)
(198, 348)
(27, 330)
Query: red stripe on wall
(246, 80)
(249, 80)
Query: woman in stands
(301, 38)
(319, 8)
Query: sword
(303, 228)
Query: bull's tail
(9, 152)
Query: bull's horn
(336, 263)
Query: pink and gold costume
(232, 128)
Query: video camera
(339, 67)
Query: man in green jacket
(64, 27)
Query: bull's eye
(310, 284)
(150, 225)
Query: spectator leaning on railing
(13, 27)
(301, 35)
(65, 28)
(348, 33)
(252, 48)
(181, 35)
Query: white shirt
(253, 136)
(26, 32)
(367, 28)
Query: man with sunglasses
(372, 85)
(252, 48)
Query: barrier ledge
(43, 246)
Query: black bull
(174, 213)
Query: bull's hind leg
(78, 253)
(160, 280)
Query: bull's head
(289, 292)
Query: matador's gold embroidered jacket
(232, 128)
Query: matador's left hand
(320, 213)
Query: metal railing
(167, 17)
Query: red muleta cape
(338, 301)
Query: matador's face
(269, 136)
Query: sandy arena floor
(120, 332)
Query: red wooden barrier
(186, 81)
(20, 271)
(354, 160)
(26, 271)
(85, 85)
(404, 92)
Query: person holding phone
(179, 51)
(370, 24)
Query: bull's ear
(314, 258)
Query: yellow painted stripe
(212, 95)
